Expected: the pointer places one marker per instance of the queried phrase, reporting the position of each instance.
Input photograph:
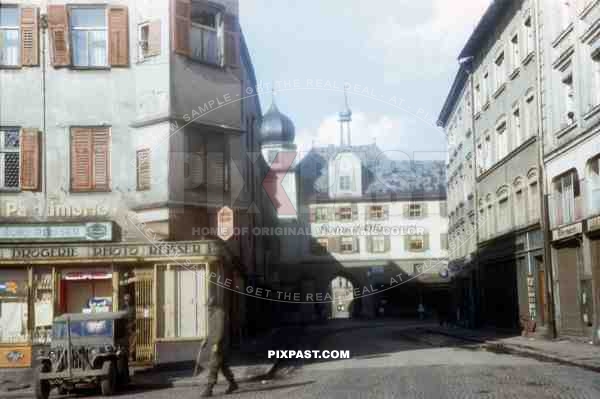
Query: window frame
(380, 247)
(376, 212)
(218, 30)
(414, 238)
(3, 152)
(342, 183)
(344, 245)
(345, 213)
(415, 210)
(17, 28)
(73, 29)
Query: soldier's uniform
(217, 341)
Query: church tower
(277, 134)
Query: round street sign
(225, 223)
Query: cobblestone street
(394, 362)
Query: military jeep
(87, 349)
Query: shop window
(43, 305)
(14, 314)
(182, 302)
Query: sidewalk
(561, 351)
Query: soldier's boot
(208, 391)
(233, 386)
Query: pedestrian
(421, 311)
(218, 350)
(130, 309)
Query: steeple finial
(345, 119)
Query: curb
(522, 350)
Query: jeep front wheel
(42, 387)
(108, 383)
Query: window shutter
(182, 27)
(118, 31)
(386, 244)
(81, 159)
(154, 38)
(405, 210)
(232, 41)
(386, 212)
(424, 209)
(101, 159)
(337, 214)
(370, 244)
(355, 245)
(407, 244)
(30, 159)
(143, 169)
(30, 37)
(58, 26)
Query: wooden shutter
(30, 160)
(81, 159)
(154, 38)
(232, 41)
(182, 27)
(101, 159)
(58, 27)
(143, 170)
(30, 37)
(118, 36)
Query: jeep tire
(108, 384)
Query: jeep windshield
(87, 328)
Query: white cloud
(389, 132)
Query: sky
(396, 58)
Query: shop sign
(79, 276)
(166, 250)
(19, 356)
(64, 232)
(593, 224)
(567, 231)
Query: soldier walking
(218, 349)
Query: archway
(342, 292)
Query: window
(320, 246)
(530, 114)
(499, 72)
(566, 189)
(9, 36)
(206, 36)
(444, 241)
(529, 42)
(9, 159)
(515, 58)
(490, 219)
(486, 88)
(14, 312)
(321, 214)
(502, 141)
(533, 198)
(416, 243)
(481, 162)
(489, 152)
(516, 125)
(183, 307)
(90, 159)
(483, 223)
(345, 213)
(477, 97)
(565, 13)
(378, 244)
(345, 183)
(520, 204)
(595, 95)
(415, 210)
(347, 244)
(504, 222)
(443, 209)
(143, 169)
(89, 37)
(594, 185)
(568, 98)
(376, 212)
(150, 39)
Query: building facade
(491, 118)
(366, 225)
(571, 152)
(121, 136)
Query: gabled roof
(382, 177)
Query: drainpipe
(544, 208)
(44, 26)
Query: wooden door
(144, 316)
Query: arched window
(533, 196)
(529, 114)
(520, 203)
(504, 215)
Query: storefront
(169, 286)
(593, 300)
(572, 281)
